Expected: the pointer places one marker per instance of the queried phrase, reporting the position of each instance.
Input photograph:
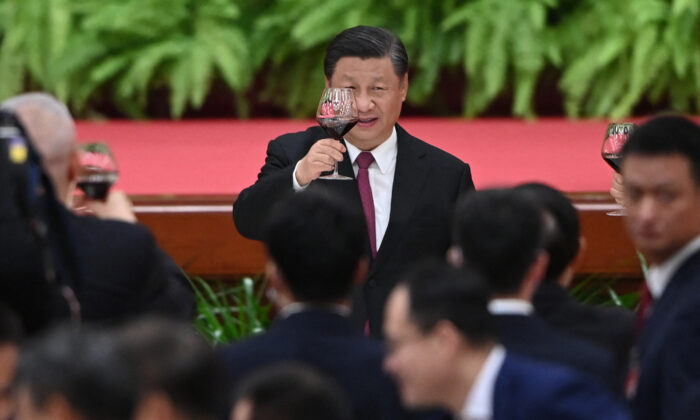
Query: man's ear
(58, 407)
(328, 82)
(454, 256)
(360, 274)
(534, 275)
(155, 405)
(403, 86)
(73, 165)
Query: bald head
(51, 128)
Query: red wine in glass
(337, 114)
(98, 170)
(615, 139)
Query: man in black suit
(609, 327)
(661, 171)
(443, 351)
(124, 271)
(499, 234)
(317, 247)
(413, 184)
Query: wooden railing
(198, 232)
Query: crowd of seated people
(395, 297)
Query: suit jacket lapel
(409, 178)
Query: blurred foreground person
(500, 234)
(317, 249)
(443, 351)
(290, 392)
(68, 374)
(661, 170)
(178, 373)
(124, 272)
(10, 339)
(609, 327)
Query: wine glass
(337, 114)
(98, 170)
(615, 138)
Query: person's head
(373, 61)
(10, 338)
(290, 392)
(562, 239)
(437, 329)
(317, 246)
(661, 172)
(499, 233)
(179, 375)
(71, 374)
(52, 130)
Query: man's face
(663, 204)
(412, 357)
(379, 93)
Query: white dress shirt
(381, 180)
(510, 306)
(479, 403)
(658, 276)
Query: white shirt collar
(384, 154)
(297, 307)
(479, 403)
(510, 306)
(658, 276)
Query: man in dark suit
(317, 249)
(661, 172)
(609, 327)
(413, 184)
(124, 272)
(499, 234)
(443, 351)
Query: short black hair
(293, 391)
(173, 358)
(366, 42)
(438, 291)
(561, 238)
(11, 330)
(84, 366)
(667, 135)
(500, 235)
(317, 240)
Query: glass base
(336, 177)
(617, 213)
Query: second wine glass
(337, 114)
(615, 138)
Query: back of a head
(51, 127)
(11, 330)
(317, 241)
(562, 236)
(500, 235)
(85, 367)
(366, 42)
(438, 291)
(173, 358)
(291, 392)
(667, 135)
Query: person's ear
(361, 270)
(454, 256)
(534, 275)
(73, 166)
(403, 86)
(155, 405)
(328, 82)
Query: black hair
(293, 391)
(561, 236)
(86, 367)
(438, 291)
(366, 42)
(667, 135)
(173, 358)
(317, 240)
(500, 235)
(11, 330)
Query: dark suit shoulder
(434, 152)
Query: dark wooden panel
(198, 232)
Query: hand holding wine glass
(615, 139)
(337, 114)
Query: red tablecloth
(224, 156)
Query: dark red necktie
(644, 310)
(363, 160)
(646, 302)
